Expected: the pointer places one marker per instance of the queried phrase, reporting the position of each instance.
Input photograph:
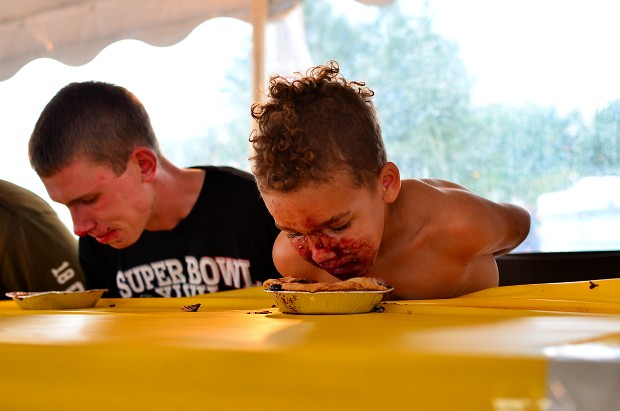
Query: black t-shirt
(224, 243)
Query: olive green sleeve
(40, 254)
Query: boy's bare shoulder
(429, 191)
(440, 184)
(441, 207)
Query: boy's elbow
(519, 231)
(524, 223)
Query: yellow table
(544, 347)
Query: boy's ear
(147, 162)
(390, 181)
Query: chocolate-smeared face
(335, 226)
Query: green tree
(429, 124)
(601, 152)
(226, 144)
(422, 87)
(521, 152)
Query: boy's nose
(81, 225)
(320, 252)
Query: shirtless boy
(343, 210)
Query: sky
(561, 53)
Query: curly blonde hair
(313, 125)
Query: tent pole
(259, 10)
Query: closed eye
(293, 236)
(340, 228)
(89, 200)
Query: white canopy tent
(75, 31)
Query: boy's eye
(89, 200)
(335, 230)
(340, 228)
(293, 236)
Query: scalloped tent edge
(75, 31)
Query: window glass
(516, 100)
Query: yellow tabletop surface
(544, 347)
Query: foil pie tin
(56, 300)
(327, 302)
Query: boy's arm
(41, 255)
(489, 227)
(520, 219)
